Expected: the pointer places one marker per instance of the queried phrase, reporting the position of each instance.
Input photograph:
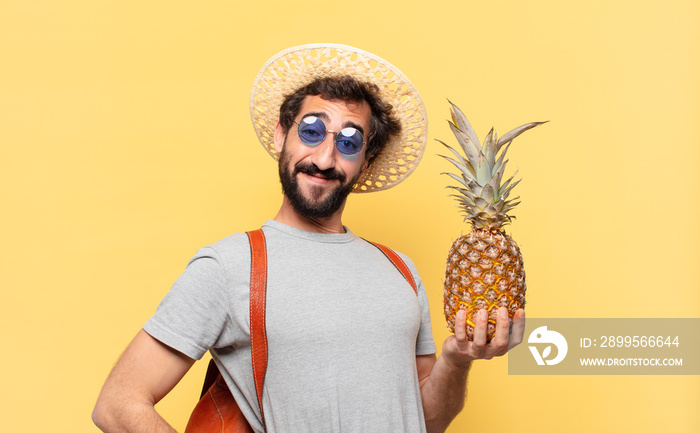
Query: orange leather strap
(258, 292)
(399, 263)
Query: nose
(324, 154)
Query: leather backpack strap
(398, 262)
(258, 293)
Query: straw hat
(296, 67)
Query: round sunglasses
(312, 131)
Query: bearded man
(350, 344)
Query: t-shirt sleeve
(425, 342)
(191, 317)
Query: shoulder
(234, 245)
(412, 268)
(228, 255)
(399, 259)
(231, 243)
(407, 260)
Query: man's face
(317, 180)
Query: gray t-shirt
(343, 328)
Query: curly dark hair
(383, 124)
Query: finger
(518, 330)
(461, 326)
(480, 330)
(499, 344)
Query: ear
(365, 164)
(280, 136)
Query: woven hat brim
(295, 67)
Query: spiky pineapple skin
(484, 270)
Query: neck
(332, 224)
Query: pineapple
(484, 267)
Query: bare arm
(144, 374)
(443, 381)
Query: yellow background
(126, 145)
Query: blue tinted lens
(312, 130)
(349, 141)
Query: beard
(315, 206)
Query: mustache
(313, 170)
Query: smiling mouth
(318, 178)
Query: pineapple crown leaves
(482, 197)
